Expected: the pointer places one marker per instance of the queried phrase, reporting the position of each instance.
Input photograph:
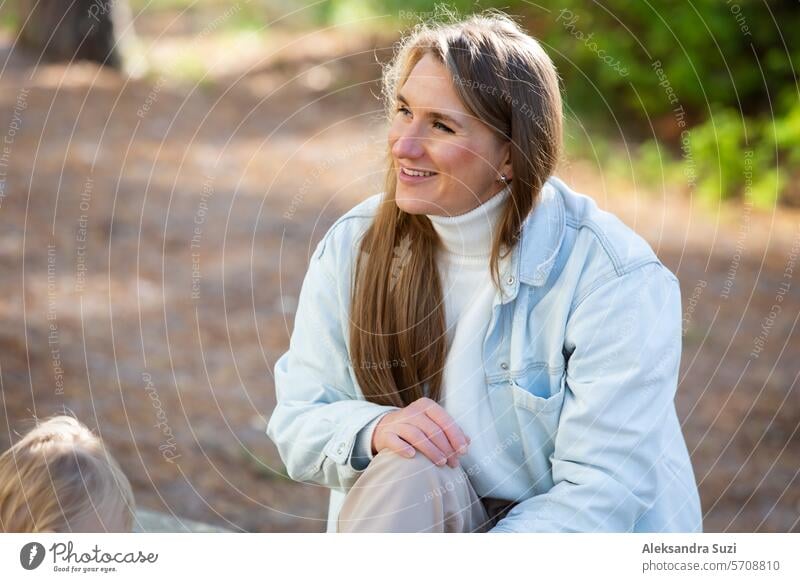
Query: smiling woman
(539, 336)
(446, 159)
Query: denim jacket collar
(541, 237)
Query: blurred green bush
(714, 81)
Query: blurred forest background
(159, 199)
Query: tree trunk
(67, 30)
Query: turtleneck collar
(470, 235)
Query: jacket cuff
(362, 450)
(340, 448)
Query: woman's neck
(471, 234)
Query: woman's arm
(319, 412)
(625, 339)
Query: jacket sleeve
(625, 342)
(319, 412)
(362, 451)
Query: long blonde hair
(58, 475)
(397, 325)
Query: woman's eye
(443, 127)
(436, 124)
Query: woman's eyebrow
(434, 114)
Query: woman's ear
(505, 168)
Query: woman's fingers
(396, 444)
(458, 440)
(413, 435)
(436, 435)
(425, 426)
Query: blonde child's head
(60, 478)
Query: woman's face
(432, 132)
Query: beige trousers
(397, 494)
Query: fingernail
(462, 449)
(441, 462)
(409, 454)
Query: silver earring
(505, 180)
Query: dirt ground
(154, 236)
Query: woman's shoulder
(601, 234)
(349, 227)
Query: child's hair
(60, 478)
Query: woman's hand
(422, 425)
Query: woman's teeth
(416, 172)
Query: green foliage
(734, 157)
(700, 66)
(403, 13)
(785, 131)
(225, 16)
(711, 51)
(9, 19)
(718, 149)
(654, 165)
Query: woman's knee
(397, 493)
(417, 469)
(416, 464)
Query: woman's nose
(408, 145)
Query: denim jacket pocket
(538, 396)
(538, 389)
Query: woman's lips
(406, 178)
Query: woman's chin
(412, 204)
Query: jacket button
(510, 280)
(340, 450)
(504, 365)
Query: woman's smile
(415, 176)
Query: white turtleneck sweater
(464, 264)
(468, 296)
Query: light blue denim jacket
(581, 359)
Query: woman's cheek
(456, 161)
